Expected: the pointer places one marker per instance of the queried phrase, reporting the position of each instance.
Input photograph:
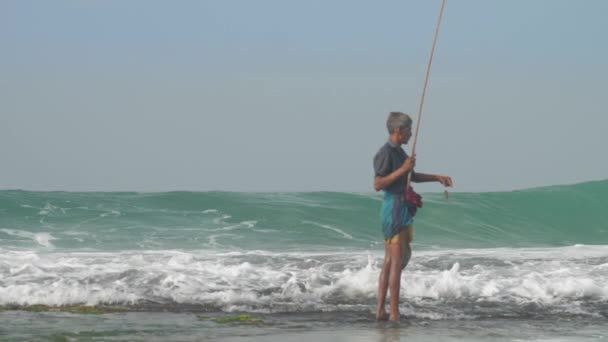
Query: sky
(278, 95)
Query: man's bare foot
(381, 315)
(394, 317)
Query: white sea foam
(42, 239)
(114, 213)
(328, 227)
(213, 239)
(50, 209)
(450, 282)
(240, 225)
(221, 219)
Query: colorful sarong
(394, 214)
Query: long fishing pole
(426, 82)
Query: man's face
(405, 134)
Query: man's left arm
(423, 177)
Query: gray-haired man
(392, 166)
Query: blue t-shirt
(389, 158)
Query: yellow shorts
(403, 239)
(406, 233)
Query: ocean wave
(542, 217)
(443, 284)
(42, 239)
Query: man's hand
(408, 164)
(445, 180)
(383, 182)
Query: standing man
(392, 166)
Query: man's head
(399, 127)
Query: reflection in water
(389, 332)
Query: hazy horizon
(286, 97)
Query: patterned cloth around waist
(394, 214)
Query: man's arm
(423, 177)
(384, 182)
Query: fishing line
(426, 82)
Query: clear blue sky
(293, 95)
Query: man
(392, 166)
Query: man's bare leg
(395, 277)
(406, 249)
(383, 285)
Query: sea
(524, 265)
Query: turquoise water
(543, 217)
(301, 260)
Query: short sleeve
(382, 165)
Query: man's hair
(397, 120)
